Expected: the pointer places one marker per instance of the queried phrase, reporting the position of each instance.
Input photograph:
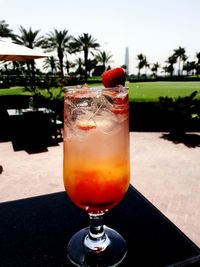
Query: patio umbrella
(13, 52)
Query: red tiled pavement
(168, 175)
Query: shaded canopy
(13, 52)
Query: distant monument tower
(127, 60)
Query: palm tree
(79, 64)
(165, 69)
(146, 65)
(155, 68)
(198, 63)
(141, 64)
(179, 53)
(198, 57)
(103, 58)
(69, 65)
(50, 62)
(5, 31)
(170, 67)
(86, 44)
(29, 39)
(189, 66)
(91, 65)
(59, 41)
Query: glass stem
(96, 239)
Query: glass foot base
(112, 255)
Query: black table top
(35, 232)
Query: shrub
(180, 112)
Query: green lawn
(151, 91)
(140, 92)
(14, 91)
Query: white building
(127, 60)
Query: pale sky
(152, 27)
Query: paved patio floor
(165, 172)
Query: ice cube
(106, 122)
(101, 103)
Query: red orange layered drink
(96, 146)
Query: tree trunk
(60, 56)
(86, 64)
(179, 67)
(32, 73)
(61, 68)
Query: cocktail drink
(96, 168)
(96, 148)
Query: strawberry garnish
(121, 99)
(86, 125)
(119, 111)
(113, 77)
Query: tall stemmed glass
(96, 168)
